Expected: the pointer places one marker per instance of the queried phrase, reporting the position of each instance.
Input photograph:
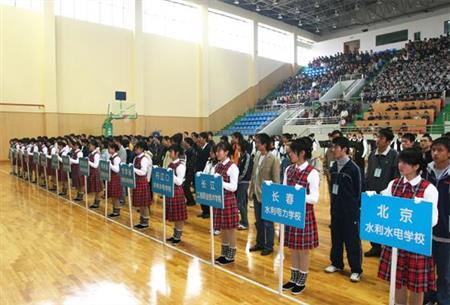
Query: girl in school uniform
(114, 187)
(51, 176)
(77, 179)
(141, 193)
(176, 207)
(43, 150)
(301, 241)
(63, 150)
(226, 220)
(94, 183)
(415, 272)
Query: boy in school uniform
(176, 210)
(142, 198)
(345, 196)
(438, 173)
(301, 241)
(415, 272)
(94, 183)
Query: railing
(314, 121)
(432, 129)
(23, 105)
(351, 77)
(276, 107)
(415, 96)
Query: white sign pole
(28, 169)
(164, 219)
(37, 174)
(129, 206)
(46, 178)
(280, 272)
(394, 257)
(106, 198)
(69, 190)
(57, 183)
(211, 232)
(86, 191)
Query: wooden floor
(54, 252)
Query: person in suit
(265, 167)
(202, 158)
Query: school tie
(408, 188)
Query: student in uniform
(176, 207)
(114, 187)
(51, 173)
(43, 150)
(226, 220)
(438, 173)
(301, 241)
(141, 193)
(77, 178)
(346, 186)
(63, 150)
(94, 184)
(415, 272)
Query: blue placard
(55, 162)
(105, 171)
(127, 178)
(43, 160)
(209, 190)
(162, 181)
(84, 166)
(397, 222)
(284, 204)
(36, 158)
(66, 164)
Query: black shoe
(94, 206)
(256, 248)
(200, 215)
(219, 259)
(224, 261)
(112, 215)
(374, 252)
(170, 239)
(298, 289)
(52, 189)
(266, 252)
(190, 204)
(176, 241)
(62, 194)
(78, 198)
(141, 226)
(289, 286)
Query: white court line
(174, 248)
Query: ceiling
(325, 17)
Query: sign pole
(69, 190)
(28, 169)
(394, 257)
(86, 191)
(106, 198)
(46, 178)
(37, 174)
(280, 274)
(56, 178)
(17, 163)
(129, 206)
(164, 219)
(11, 155)
(211, 233)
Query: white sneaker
(355, 277)
(332, 269)
(216, 232)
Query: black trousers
(187, 190)
(345, 232)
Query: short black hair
(264, 139)
(386, 133)
(444, 141)
(409, 136)
(336, 133)
(225, 146)
(189, 141)
(176, 148)
(302, 144)
(142, 145)
(177, 138)
(412, 156)
(342, 142)
(113, 146)
(427, 135)
(93, 143)
(203, 135)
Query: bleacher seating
(251, 122)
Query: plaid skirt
(303, 239)
(77, 179)
(30, 163)
(94, 185)
(62, 175)
(19, 161)
(141, 194)
(227, 218)
(414, 271)
(50, 170)
(176, 207)
(114, 187)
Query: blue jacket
(442, 229)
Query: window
(230, 32)
(391, 37)
(36, 5)
(177, 20)
(118, 13)
(447, 27)
(275, 44)
(416, 36)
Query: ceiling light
(336, 13)
(236, 2)
(316, 5)
(258, 9)
(297, 10)
(317, 30)
(280, 16)
(334, 25)
(317, 19)
(300, 23)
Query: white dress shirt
(180, 172)
(430, 194)
(96, 162)
(313, 182)
(115, 164)
(144, 165)
(79, 155)
(233, 173)
(64, 152)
